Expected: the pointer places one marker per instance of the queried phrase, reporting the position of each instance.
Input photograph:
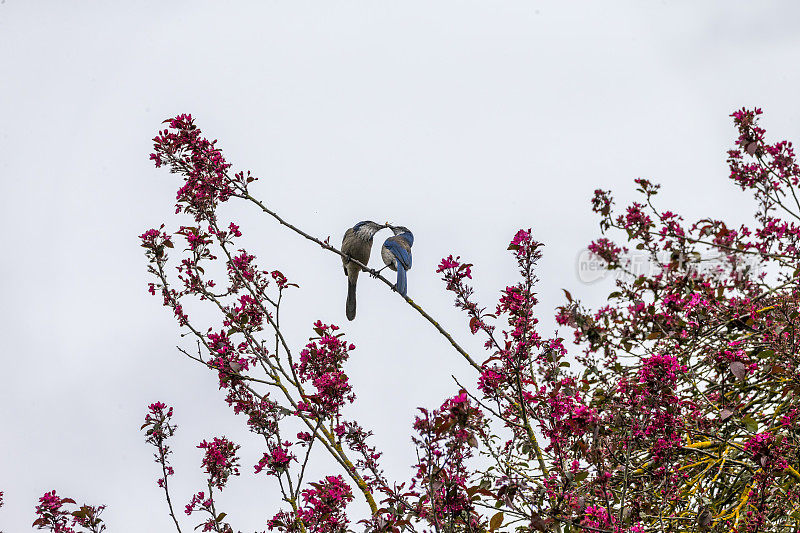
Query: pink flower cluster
(323, 509)
(455, 275)
(324, 505)
(606, 250)
(445, 441)
(321, 364)
(226, 359)
(767, 451)
(263, 414)
(52, 515)
(158, 422)
(277, 460)
(660, 371)
(199, 502)
(206, 181)
(220, 460)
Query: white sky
(463, 120)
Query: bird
(396, 254)
(357, 244)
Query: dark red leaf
(738, 370)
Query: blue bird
(396, 254)
(357, 244)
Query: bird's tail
(401, 278)
(350, 307)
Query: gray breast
(388, 258)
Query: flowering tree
(675, 411)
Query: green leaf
(750, 424)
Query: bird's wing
(402, 253)
(347, 243)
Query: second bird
(357, 244)
(396, 254)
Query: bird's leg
(374, 273)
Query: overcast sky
(464, 121)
